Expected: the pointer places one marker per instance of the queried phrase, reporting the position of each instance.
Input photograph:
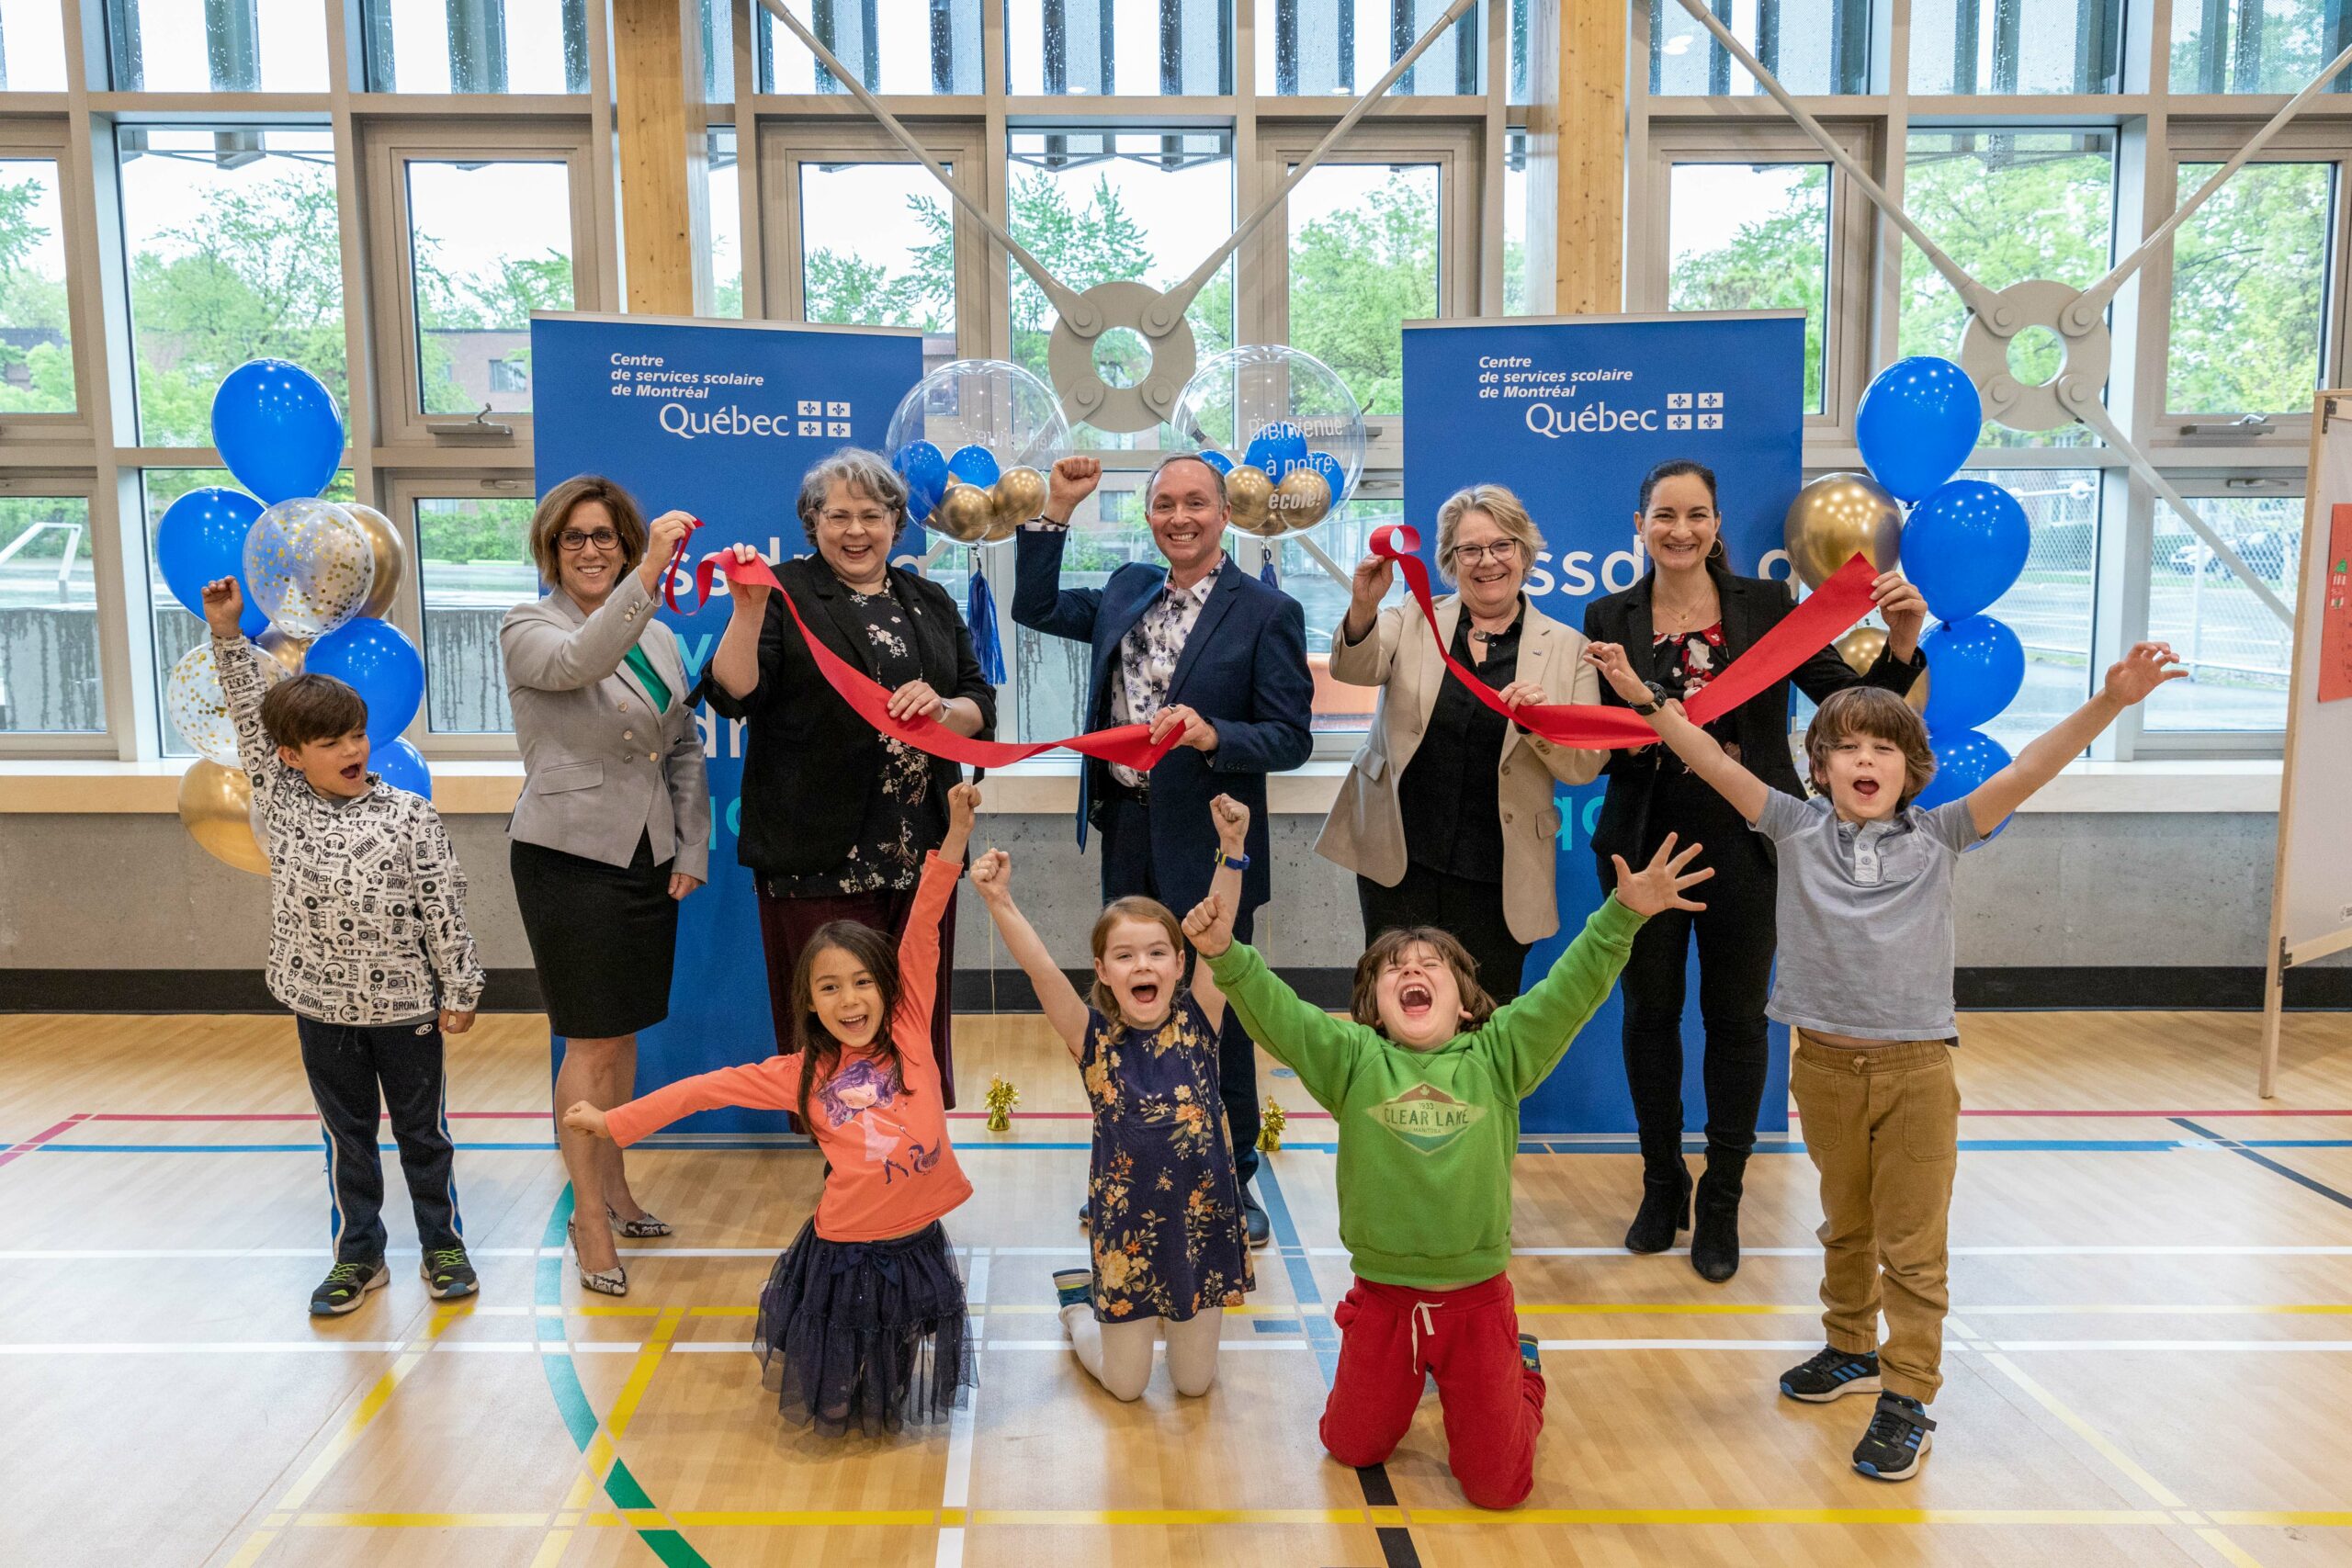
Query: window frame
(46, 140)
(402, 491)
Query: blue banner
(1570, 414)
(721, 420)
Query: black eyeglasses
(573, 541)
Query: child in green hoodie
(1423, 1082)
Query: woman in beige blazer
(1446, 814)
(613, 826)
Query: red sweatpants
(1468, 1339)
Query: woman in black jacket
(836, 817)
(1681, 624)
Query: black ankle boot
(1714, 1235)
(1665, 1195)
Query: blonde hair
(1504, 509)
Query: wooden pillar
(663, 156)
(1577, 155)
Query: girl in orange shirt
(861, 1323)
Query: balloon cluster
(973, 441)
(1284, 430)
(1962, 545)
(317, 578)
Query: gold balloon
(963, 513)
(1017, 495)
(216, 806)
(1301, 500)
(285, 648)
(1860, 647)
(384, 542)
(1837, 515)
(1250, 494)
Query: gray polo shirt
(1865, 913)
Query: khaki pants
(1882, 1126)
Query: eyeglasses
(1501, 552)
(573, 541)
(843, 519)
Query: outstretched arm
(1322, 1049)
(2129, 680)
(1232, 820)
(992, 878)
(1702, 752)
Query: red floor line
(16, 1151)
(542, 1116)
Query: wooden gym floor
(2149, 1359)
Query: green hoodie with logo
(1427, 1137)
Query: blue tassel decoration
(1266, 573)
(980, 614)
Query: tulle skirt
(868, 1335)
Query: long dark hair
(820, 1052)
(1675, 468)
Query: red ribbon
(1825, 614)
(1129, 743)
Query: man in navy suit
(1200, 645)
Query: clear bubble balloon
(198, 709)
(1282, 410)
(312, 566)
(971, 410)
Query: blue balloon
(1963, 546)
(402, 766)
(974, 466)
(1216, 459)
(1917, 423)
(376, 660)
(1974, 667)
(1965, 758)
(277, 429)
(925, 469)
(1333, 474)
(1277, 448)
(201, 539)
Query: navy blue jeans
(358, 1071)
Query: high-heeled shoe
(638, 1229)
(613, 1282)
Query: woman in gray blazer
(613, 826)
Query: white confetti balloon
(199, 709)
(311, 566)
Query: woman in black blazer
(836, 817)
(1681, 624)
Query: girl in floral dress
(1170, 1252)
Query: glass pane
(725, 225)
(719, 51)
(1337, 705)
(1096, 206)
(1364, 261)
(894, 46)
(877, 249)
(1050, 675)
(233, 244)
(1316, 47)
(1519, 93)
(477, 46)
(2256, 46)
(2007, 206)
(2049, 606)
(1119, 45)
(1812, 46)
(1753, 237)
(2236, 651)
(48, 617)
(2017, 45)
(32, 46)
(489, 243)
(222, 46)
(1516, 283)
(36, 331)
(2249, 291)
(473, 564)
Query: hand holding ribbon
(1826, 613)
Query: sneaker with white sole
(346, 1285)
(1897, 1441)
(447, 1273)
(1832, 1374)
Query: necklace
(1672, 619)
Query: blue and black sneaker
(1832, 1374)
(1897, 1442)
(448, 1273)
(1073, 1287)
(1530, 1354)
(346, 1285)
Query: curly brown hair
(1363, 1003)
(1882, 715)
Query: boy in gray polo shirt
(1865, 981)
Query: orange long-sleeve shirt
(894, 1171)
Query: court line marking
(2202, 1143)
(19, 1150)
(956, 1487)
(2245, 1148)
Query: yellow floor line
(2094, 1517)
(551, 1549)
(624, 1408)
(394, 1521)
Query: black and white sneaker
(446, 1272)
(346, 1285)
(1832, 1374)
(1897, 1442)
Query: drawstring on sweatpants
(1424, 1320)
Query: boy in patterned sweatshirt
(368, 946)
(1423, 1082)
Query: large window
(473, 564)
(1812, 46)
(2017, 45)
(1106, 47)
(1754, 237)
(35, 328)
(1338, 48)
(892, 46)
(2237, 651)
(2050, 606)
(2256, 46)
(489, 243)
(48, 618)
(477, 46)
(258, 45)
(1366, 243)
(2250, 275)
(34, 58)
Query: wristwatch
(1232, 862)
(1658, 700)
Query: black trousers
(1471, 911)
(1125, 825)
(1735, 942)
(357, 1071)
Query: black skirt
(603, 938)
(866, 1334)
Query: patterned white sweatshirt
(368, 902)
